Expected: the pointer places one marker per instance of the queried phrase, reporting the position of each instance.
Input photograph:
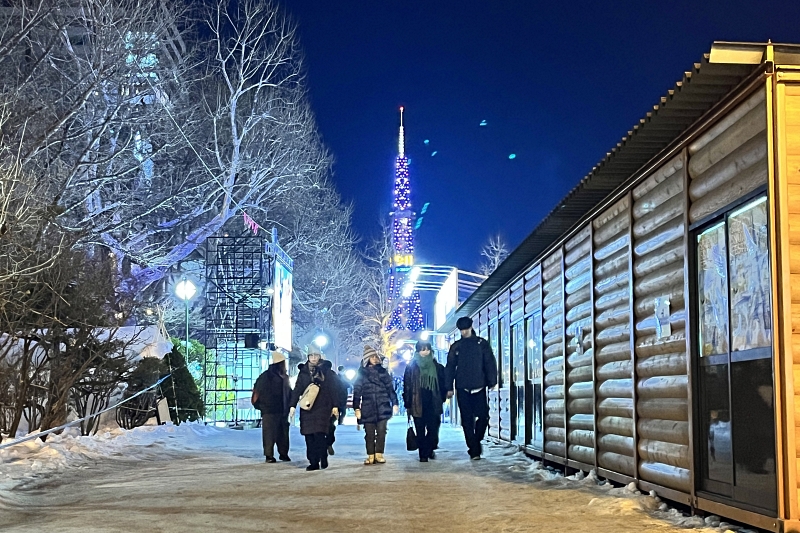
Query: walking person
(473, 367)
(271, 395)
(424, 392)
(374, 402)
(341, 405)
(315, 421)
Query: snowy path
(194, 478)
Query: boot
(379, 458)
(369, 460)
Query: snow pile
(69, 448)
(611, 500)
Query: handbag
(411, 437)
(308, 397)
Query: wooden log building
(649, 326)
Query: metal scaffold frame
(239, 272)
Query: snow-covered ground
(197, 478)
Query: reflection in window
(713, 291)
(750, 286)
(535, 347)
(519, 353)
(505, 345)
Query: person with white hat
(271, 394)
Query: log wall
(553, 343)
(729, 160)
(578, 304)
(614, 367)
(660, 370)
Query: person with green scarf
(424, 392)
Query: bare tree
(494, 252)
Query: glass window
(535, 347)
(519, 353)
(750, 286)
(712, 291)
(505, 347)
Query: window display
(713, 291)
(748, 249)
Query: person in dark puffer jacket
(271, 395)
(374, 402)
(315, 422)
(424, 392)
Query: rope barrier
(64, 426)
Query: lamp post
(185, 290)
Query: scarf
(428, 377)
(317, 376)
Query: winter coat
(318, 418)
(471, 364)
(272, 392)
(418, 400)
(373, 393)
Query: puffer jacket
(318, 418)
(373, 393)
(471, 364)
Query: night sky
(558, 83)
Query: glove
(335, 412)
(358, 414)
(395, 409)
(291, 415)
(449, 394)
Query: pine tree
(181, 386)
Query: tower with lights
(407, 310)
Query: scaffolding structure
(239, 277)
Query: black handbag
(411, 437)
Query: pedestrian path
(220, 483)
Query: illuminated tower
(407, 312)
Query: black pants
(275, 430)
(316, 447)
(427, 428)
(474, 410)
(375, 437)
(331, 438)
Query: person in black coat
(473, 367)
(315, 422)
(374, 401)
(341, 405)
(271, 395)
(424, 392)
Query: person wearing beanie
(472, 366)
(271, 394)
(315, 420)
(374, 402)
(424, 392)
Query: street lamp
(185, 290)
(350, 373)
(321, 340)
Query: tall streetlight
(185, 290)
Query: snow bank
(70, 449)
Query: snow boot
(285, 458)
(311, 467)
(270, 459)
(369, 460)
(379, 458)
